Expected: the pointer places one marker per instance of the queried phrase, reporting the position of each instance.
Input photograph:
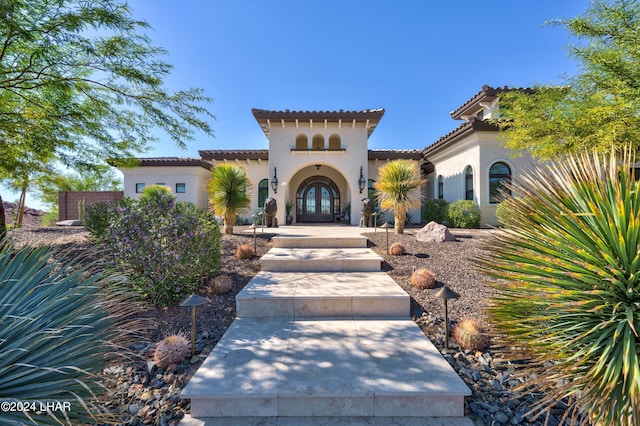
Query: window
(468, 183)
(440, 187)
(302, 142)
(499, 178)
(263, 192)
(318, 142)
(181, 188)
(139, 187)
(334, 142)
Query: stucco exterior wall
(293, 166)
(195, 179)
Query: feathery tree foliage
(399, 188)
(229, 189)
(81, 82)
(567, 300)
(599, 107)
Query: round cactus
(172, 349)
(423, 279)
(221, 284)
(397, 249)
(469, 334)
(245, 251)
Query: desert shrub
(245, 251)
(164, 246)
(173, 349)
(505, 213)
(97, 216)
(61, 323)
(469, 334)
(397, 249)
(423, 279)
(568, 287)
(464, 214)
(435, 211)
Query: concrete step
(327, 421)
(310, 241)
(281, 367)
(308, 294)
(321, 260)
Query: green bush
(60, 325)
(464, 214)
(98, 215)
(568, 289)
(435, 211)
(164, 246)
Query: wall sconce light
(274, 181)
(318, 166)
(361, 181)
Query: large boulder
(434, 232)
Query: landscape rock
(434, 232)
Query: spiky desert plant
(469, 334)
(229, 189)
(221, 284)
(568, 294)
(399, 188)
(61, 322)
(397, 249)
(245, 251)
(173, 349)
(423, 279)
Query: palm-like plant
(568, 294)
(229, 189)
(399, 188)
(59, 325)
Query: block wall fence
(68, 201)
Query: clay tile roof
(173, 161)
(394, 154)
(455, 135)
(229, 154)
(265, 117)
(487, 93)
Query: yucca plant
(59, 325)
(229, 189)
(399, 188)
(568, 295)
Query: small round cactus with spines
(173, 349)
(423, 279)
(397, 249)
(469, 334)
(245, 251)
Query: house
(320, 161)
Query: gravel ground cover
(140, 393)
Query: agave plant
(59, 326)
(229, 189)
(399, 188)
(567, 298)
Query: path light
(375, 221)
(386, 228)
(446, 293)
(193, 301)
(255, 250)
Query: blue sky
(417, 59)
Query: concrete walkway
(324, 337)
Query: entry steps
(324, 346)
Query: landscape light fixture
(274, 181)
(361, 181)
(386, 227)
(193, 301)
(446, 293)
(255, 250)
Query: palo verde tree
(597, 108)
(81, 82)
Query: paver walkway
(323, 337)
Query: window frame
(494, 195)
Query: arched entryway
(317, 200)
